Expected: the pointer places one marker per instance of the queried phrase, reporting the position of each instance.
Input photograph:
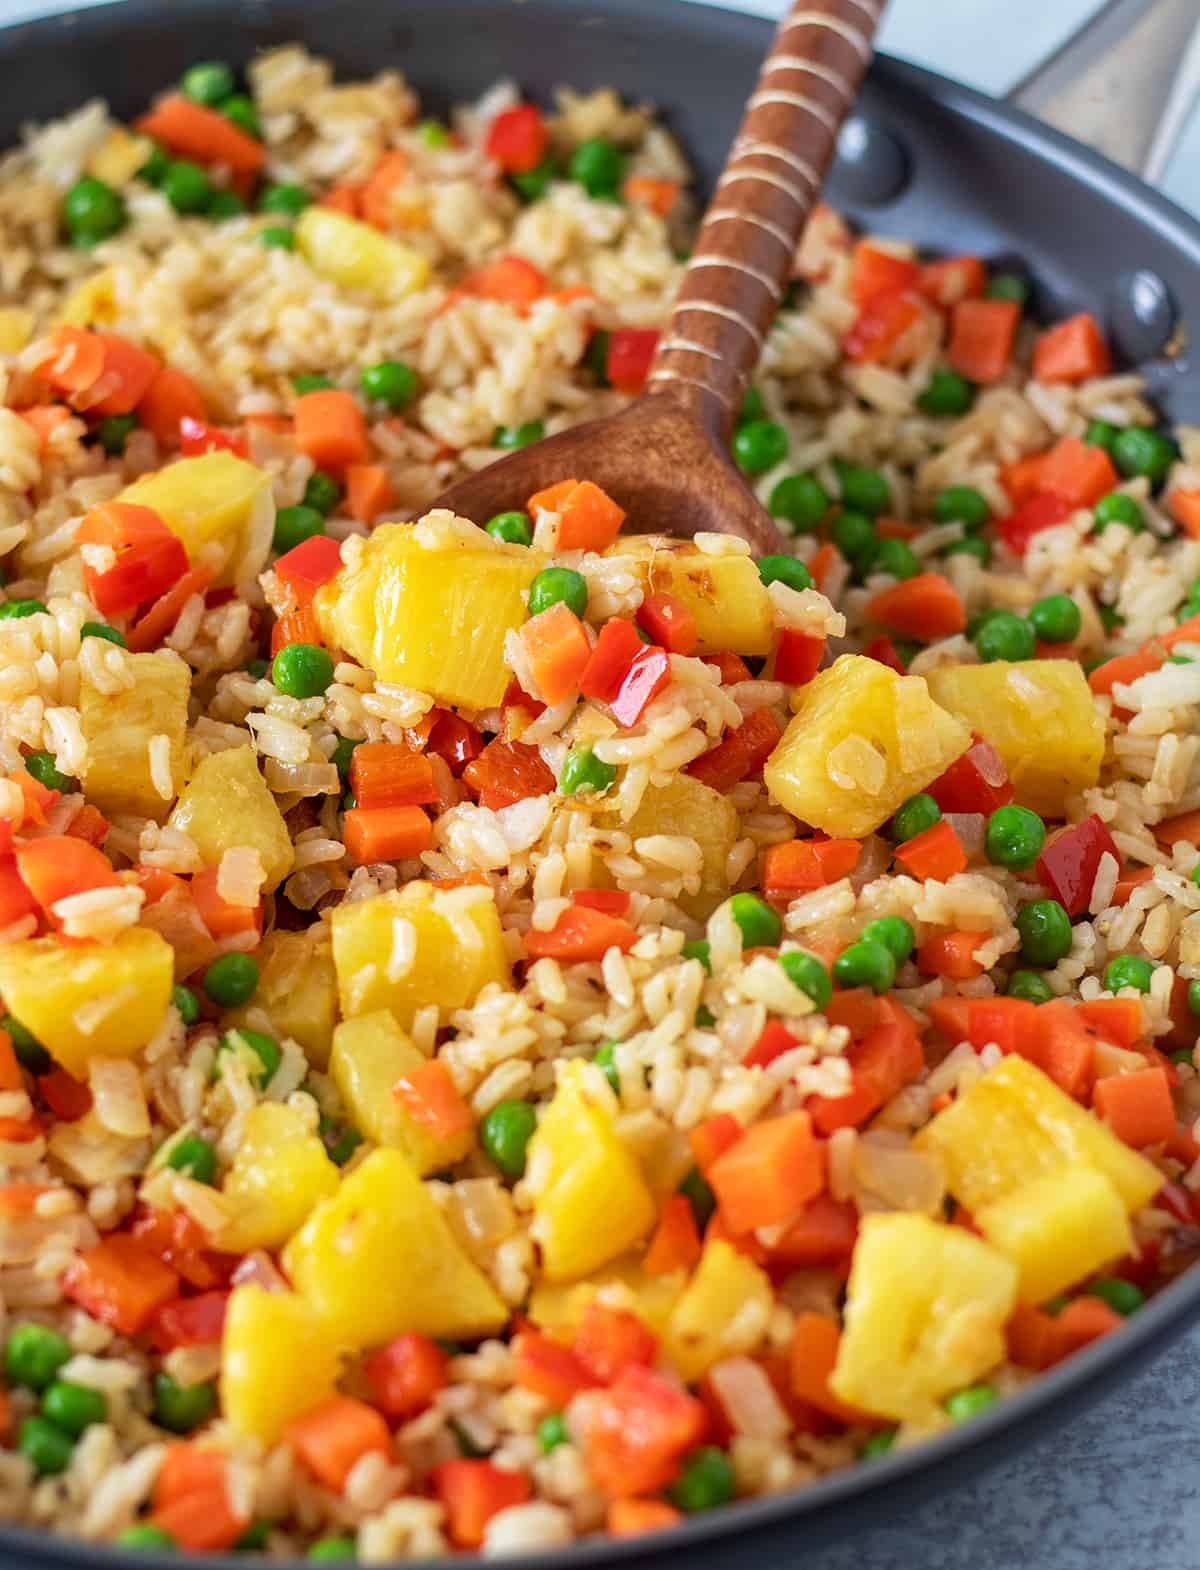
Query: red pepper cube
(308, 566)
(976, 782)
(1070, 860)
(797, 656)
(1041, 511)
(630, 351)
(617, 646)
(648, 673)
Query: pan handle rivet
(871, 167)
(1141, 314)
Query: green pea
(33, 1356)
(277, 239)
(510, 437)
(1056, 619)
(1109, 619)
(863, 489)
(961, 504)
(1128, 970)
(514, 528)
(1014, 837)
(706, 1481)
(1141, 451)
(914, 816)
(699, 948)
(865, 964)
(1121, 1296)
(705, 1018)
(1183, 1058)
(289, 199)
(92, 211)
(73, 1407)
(239, 108)
(13, 610)
(1117, 507)
(207, 82)
(597, 165)
(555, 584)
(1045, 932)
(156, 165)
(433, 134)
(530, 184)
(759, 925)
(784, 569)
(582, 771)
(223, 205)
(854, 535)
(144, 1535)
(759, 445)
(877, 1445)
(260, 1053)
(333, 1550)
(310, 382)
(969, 1403)
(254, 1539)
(339, 1139)
(973, 545)
(114, 431)
(806, 972)
(1193, 997)
(596, 356)
(181, 1408)
(341, 755)
(186, 186)
(948, 393)
(391, 382)
(321, 491)
(1005, 637)
(194, 1156)
(187, 1004)
(1029, 985)
(605, 1059)
(294, 525)
(31, 1055)
(699, 1196)
(896, 557)
(801, 500)
(302, 670)
(1008, 286)
(231, 979)
(552, 1432)
(1100, 433)
(44, 1445)
(504, 1134)
(894, 933)
(257, 669)
(100, 629)
(41, 765)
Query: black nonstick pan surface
(923, 158)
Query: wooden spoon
(665, 458)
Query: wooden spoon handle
(742, 261)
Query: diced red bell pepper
(196, 437)
(976, 782)
(874, 272)
(613, 902)
(190, 1321)
(936, 853)
(883, 650)
(405, 1375)
(16, 902)
(955, 278)
(733, 667)
(505, 772)
(668, 622)
(797, 656)
(120, 1283)
(823, 1234)
(309, 566)
(638, 1432)
(630, 352)
(740, 752)
(798, 866)
(649, 672)
(548, 1368)
(713, 1137)
(610, 1340)
(472, 1493)
(1070, 859)
(454, 741)
(1041, 511)
(759, 733)
(146, 557)
(879, 327)
(517, 139)
(617, 646)
(774, 1041)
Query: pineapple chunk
(297, 990)
(379, 1259)
(216, 500)
(401, 607)
(16, 328)
(723, 1311)
(92, 303)
(557, 1306)
(356, 256)
(1057, 1229)
(226, 805)
(119, 727)
(280, 1173)
(1014, 1124)
(369, 1055)
(580, 1170)
(1041, 718)
(689, 807)
(863, 740)
(457, 949)
(276, 1362)
(926, 1306)
(724, 593)
(89, 1000)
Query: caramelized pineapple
(724, 593)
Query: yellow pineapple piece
(1058, 1229)
(1041, 718)
(297, 990)
(217, 501)
(16, 328)
(228, 805)
(724, 593)
(276, 1362)
(687, 806)
(119, 728)
(863, 739)
(92, 303)
(280, 1172)
(356, 256)
(557, 1306)
(723, 1311)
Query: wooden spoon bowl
(665, 459)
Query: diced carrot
(633, 1517)
(1063, 1048)
(773, 1169)
(73, 361)
(579, 935)
(1118, 1020)
(1022, 479)
(56, 866)
(951, 954)
(505, 772)
(874, 272)
(1071, 351)
(613, 902)
(378, 194)
(333, 1438)
(759, 733)
(368, 491)
(510, 279)
(191, 1500)
(1130, 879)
(431, 1098)
(936, 853)
(386, 833)
(150, 630)
(1184, 507)
(798, 866)
(668, 622)
(857, 1008)
(20, 1199)
(550, 498)
(722, 766)
(222, 919)
(1184, 826)
(44, 419)
(126, 376)
(548, 1368)
(89, 824)
(405, 1375)
(67, 1097)
(120, 1283)
(955, 278)
(330, 428)
(650, 191)
(676, 1241)
(10, 1069)
(814, 1351)
(1009, 1023)
(1185, 632)
(345, 198)
(472, 1492)
(588, 518)
(389, 774)
(16, 901)
(773, 1041)
(981, 338)
(1126, 668)
(190, 130)
(638, 1430)
(19, 1131)
(557, 650)
(144, 558)
(951, 1016)
(710, 1139)
(171, 397)
(1077, 472)
(297, 625)
(1082, 1321)
(610, 1340)
(926, 606)
(821, 562)
(732, 667)
(1137, 1106)
(823, 1234)
(1032, 1337)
